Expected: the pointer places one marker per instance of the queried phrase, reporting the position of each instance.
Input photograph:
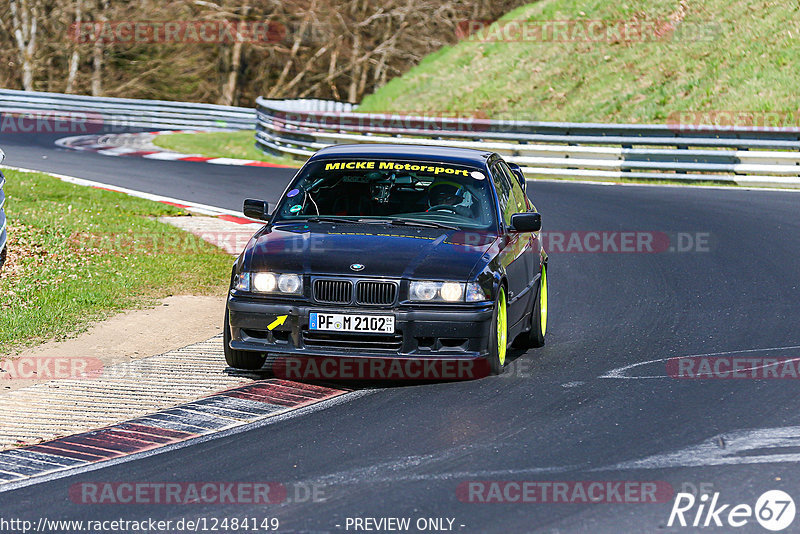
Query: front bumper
(429, 332)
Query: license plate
(340, 322)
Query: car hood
(392, 252)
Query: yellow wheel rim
(543, 300)
(502, 331)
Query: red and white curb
(215, 414)
(137, 407)
(141, 145)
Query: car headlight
(267, 282)
(428, 291)
(264, 282)
(424, 290)
(451, 291)
(289, 283)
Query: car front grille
(353, 341)
(376, 292)
(333, 291)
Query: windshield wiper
(424, 224)
(391, 222)
(329, 219)
(315, 218)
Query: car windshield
(425, 192)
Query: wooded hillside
(339, 49)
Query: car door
(514, 256)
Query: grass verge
(238, 145)
(78, 255)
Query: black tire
(3, 256)
(496, 362)
(535, 336)
(239, 359)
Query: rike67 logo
(774, 510)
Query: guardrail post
(3, 225)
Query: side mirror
(526, 222)
(517, 170)
(256, 209)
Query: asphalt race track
(403, 451)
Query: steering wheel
(443, 207)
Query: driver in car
(450, 197)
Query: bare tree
(25, 23)
(75, 58)
(340, 49)
(98, 50)
(229, 89)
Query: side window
(512, 198)
(517, 194)
(504, 192)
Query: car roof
(442, 154)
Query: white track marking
(171, 156)
(228, 161)
(204, 209)
(730, 448)
(117, 151)
(620, 372)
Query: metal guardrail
(587, 150)
(3, 232)
(116, 114)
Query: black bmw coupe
(387, 252)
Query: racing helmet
(445, 192)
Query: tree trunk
(352, 92)
(97, 53)
(24, 21)
(228, 96)
(75, 59)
